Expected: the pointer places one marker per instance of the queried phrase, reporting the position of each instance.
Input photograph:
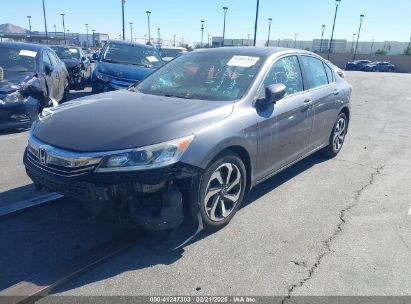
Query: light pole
(93, 37)
(87, 33)
(256, 22)
(353, 40)
(174, 43)
(409, 46)
(55, 31)
(202, 33)
(337, 4)
(208, 41)
(45, 23)
(145, 38)
(372, 46)
(279, 40)
(158, 37)
(225, 9)
(295, 41)
(68, 34)
(148, 25)
(358, 36)
(64, 28)
(122, 13)
(29, 17)
(131, 31)
(248, 39)
(269, 30)
(322, 37)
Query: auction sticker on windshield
(73, 50)
(152, 58)
(27, 53)
(243, 61)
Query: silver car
(201, 131)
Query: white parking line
(32, 202)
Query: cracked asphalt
(321, 228)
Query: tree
(381, 52)
(407, 51)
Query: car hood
(71, 63)
(14, 81)
(123, 119)
(124, 70)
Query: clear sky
(384, 19)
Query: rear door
(320, 81)
(285, 127)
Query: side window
(330, 73)
(314, 69)
(288, 72)
(52, 58)
(46, 59)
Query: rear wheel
(221, 191)
(337, 136)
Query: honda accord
(199, 132)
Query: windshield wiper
(177, 96)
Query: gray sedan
(202, 131)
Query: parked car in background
(201, 131)
(379, 66)
(24, 68)
(357, 65)
(77, 64)
(122, 63)
(168, 53)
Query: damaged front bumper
(153, 197)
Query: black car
(122, 64)
(357, 65)
(77, 63)
(379, 66)
(23, 66)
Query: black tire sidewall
(342, 115)
(198, 204)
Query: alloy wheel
(339, 134)
(223, 192)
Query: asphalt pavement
(322, 227)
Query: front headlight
(149, 157)
(103, 77)
(12, 98)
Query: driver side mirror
(47, 69)
(275, 92)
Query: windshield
(199, 75)
(131, 54)
(17, 59)
(171, 52)
(66, 53)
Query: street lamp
(148, 25)
(158, 37)
(202, 33)
(337, 4)
(122, 13)
(174, 43)
(93, 37)
(353, 40)
(269, 30)
(87, 33)
(131, 31)
(29, 17)
(68, 34)
(256, 22)
(225, 9)
(358, 36)
(295, 41)
(322, 38)
(64, 28)
(145, 38)
(208, 41)
(45, 22)
(372, 46)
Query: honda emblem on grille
(43, 156)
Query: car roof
(173, 48)
(23, 45)
(130, 43)
(255, 51)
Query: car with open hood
(122, 63)
(199, 132)
(77, 64)
(23, 68)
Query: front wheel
(337, 136)
(222, 189)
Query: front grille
(62, 171)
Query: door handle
(307, 103)
(336, 92)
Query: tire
(66, 94)
(221, 191)
(337, 136)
